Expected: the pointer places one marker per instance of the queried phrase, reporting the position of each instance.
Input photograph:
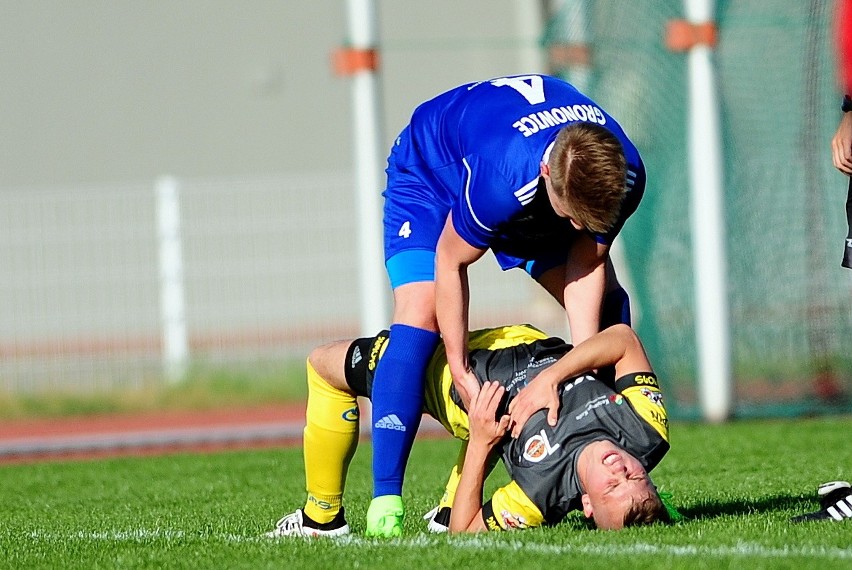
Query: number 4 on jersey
(533, 91)
(405, 230)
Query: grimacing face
(613, 480)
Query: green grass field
(202, 389)
(738, 484)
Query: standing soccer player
(841, 144)
(526, 166)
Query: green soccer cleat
(384, 517)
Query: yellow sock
(453, 482)
(455, 475)
(330, 440)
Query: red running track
(87, 437)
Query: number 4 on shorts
(405, 230)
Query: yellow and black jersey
(542, 461)
(441, 399)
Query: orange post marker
(348, 61)
(683, 36)
(570, 55)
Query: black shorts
(361, 360)
(847, 250)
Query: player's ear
(587, 506)
(544, 169)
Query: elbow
(456, 525)
(475, 524)
(623, 331)
(445, 264)
(462, 530)
(446, 261)
(627, 337)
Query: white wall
(98, 99)
(114, 91)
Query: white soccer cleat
(296, 524)
(835, 499)
(439, 520)
(832, 486)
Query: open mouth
(610, 458)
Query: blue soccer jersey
(476, 151)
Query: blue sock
(616, 308)
(397, 398)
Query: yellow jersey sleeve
(643, 392)
(510, 508)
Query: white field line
(476, 543)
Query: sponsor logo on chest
(538, 447)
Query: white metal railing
(100, 289)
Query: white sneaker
(439, 520)
(295, 524)
(835, 499)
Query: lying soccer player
(595, 459)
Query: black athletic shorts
(361, 360)
(847, 250)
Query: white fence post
(708, 225)
(172, 302)
(369, 158)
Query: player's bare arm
(841, 145)
(618, 345)
(485, 434)
(583, 289)
(585, 284)
(452, 300)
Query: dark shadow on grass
(713, 509)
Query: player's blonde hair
(588, 172)
(646, 511)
